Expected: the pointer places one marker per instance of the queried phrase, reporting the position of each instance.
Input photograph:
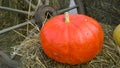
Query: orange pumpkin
(73, 40)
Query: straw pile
(32, 55)
(105, 11)
(8, 19)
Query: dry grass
(32, 55)
(30, 51)
(105, 11)
(8, 19)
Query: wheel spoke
(16, 10)
(16, 26)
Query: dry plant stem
(29, 2)
(20, 46)
(67, 20)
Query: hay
(8, 19)
(32, 55)
(105, 11)
(60, 4)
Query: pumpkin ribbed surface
(75, 42)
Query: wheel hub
(43, 13)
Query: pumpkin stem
(67, 20)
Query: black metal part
(80, 6)
(44, 12)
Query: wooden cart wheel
(43, 10)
